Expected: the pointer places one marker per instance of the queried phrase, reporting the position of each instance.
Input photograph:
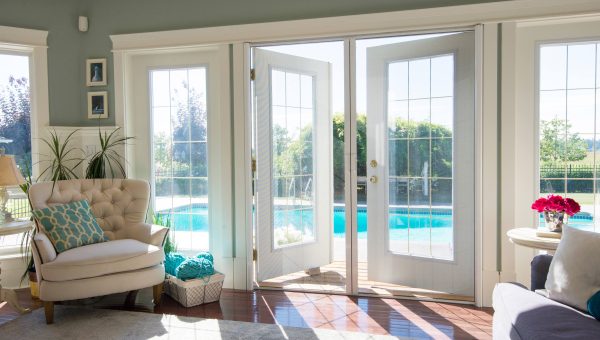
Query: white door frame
(351, 152)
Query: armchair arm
(42, 251)
(44, 247)
(540, 265)
(148, 233)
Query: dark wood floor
(418, 319)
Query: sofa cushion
(574, 274)
(102, 259)
(522, 314)
(69, 225)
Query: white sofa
(131, 260)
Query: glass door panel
(179, 149)
(420, 100)
(292, 129)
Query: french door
(293, 154)
(420, 169)
(414, 131)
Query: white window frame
(488, 260)
(33, 44)
(538, 46)
(521, 126)
(134, 100)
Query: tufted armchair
(131, 260)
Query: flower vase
(555, 220)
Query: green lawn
(583, 199)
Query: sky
(570, 84)
(12, 65)
(578, 92)
(15, 65)
(333, 52)
(570, 77)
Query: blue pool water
(195, 217)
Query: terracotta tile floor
(418, 319)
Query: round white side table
(527, 237)
(13, 228)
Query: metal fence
(569, 171)
(18, 204)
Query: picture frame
(98, 105)
(95, 72)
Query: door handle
(373, 164)
(373, 179)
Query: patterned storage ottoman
(195, 292)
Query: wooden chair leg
(49, 310)
(157, 293)
(130, 299)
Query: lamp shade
(9, 173)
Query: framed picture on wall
(95, 72)
(97, 105)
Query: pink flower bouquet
(555, 207)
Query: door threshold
(332, 280)
(449, 298)
(413, 293)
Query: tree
(559, 145)
(15, 123)
(406, 138)
(338, 152)
(184, 153)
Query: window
(569, 134)
(179, 118)
(15, 127)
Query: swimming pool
(195, 217)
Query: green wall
(68, 48)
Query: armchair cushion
(70, 225)
(101, 259)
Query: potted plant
(62, 160)
(165, 221)
(26, 243)
(107, 158)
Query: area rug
(93, 323)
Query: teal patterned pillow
(70, 225)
